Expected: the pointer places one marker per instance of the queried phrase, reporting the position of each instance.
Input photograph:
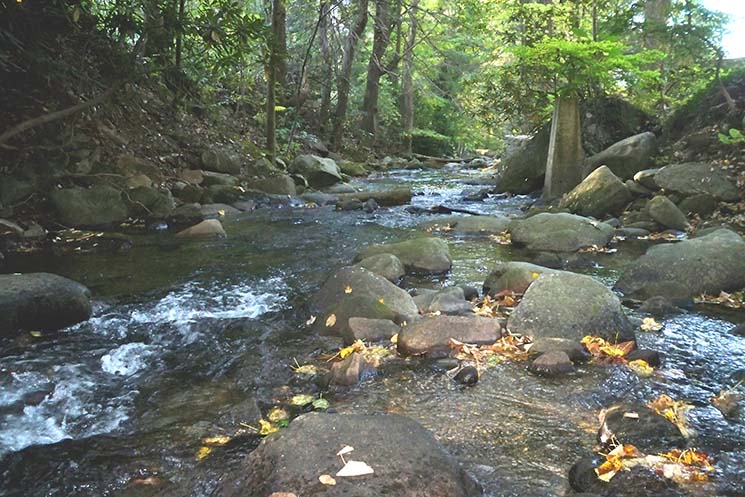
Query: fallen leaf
(348, 289)
(277, 414)
(302, 399)
(672, 410)
(35, 334)
(327, 480)
(394, 338)
(331, 321)
(221, 213)
(310, 321)
(381, 301)
(631, 415)
(355, 468)
(203, 452)
(641, 367)
(345, 450)
(321, 404)
(267, 428)
(216, 440)
(649, 324)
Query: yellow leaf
(641, 367)
(216, 440)
(331, 321)
(535, 275)
(35, 334)
(302, 399)
(381, 300)
(221, 212)
(649, 324)
(203, 452)
(327, 480)
(266, 428)
(348, 289)
(277, 414)
(394, 338)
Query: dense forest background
(372, 75)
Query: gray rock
(370, 206)
(638, 190)
(205, 229)
(388, 266)
(359, 306)
(632, 232)
(189, 193)
(552, 363)
(431, 336)
(627, 157)
(352, 168)
(220, 160)
(420, 255)
(349, 371)
(702, 204)
(385, 198)
(662, 210)
(352, 204)
(559, 232)
(513, 276)
(572, 348)
(41, 301)
(599, 194)
(524, 171)
(318, 171)
(279, 185)
(369, 330)
(646, 179)
(649, 432)
(97, 206)
(191, 176)
(693, 178)
(187, 214)
(450, 300)
(365, 285)
(467, 376)
(468, 224)
(659, 307)
(223, 194)
(406, 458)
(571, 306)
(150, 202)
(211, 178)
(709, 264)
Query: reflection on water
(192, 339)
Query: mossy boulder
(420, 255)
(97, 206)
(559, 232)
(598, 194)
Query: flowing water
(191, 339)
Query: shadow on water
(196, 339)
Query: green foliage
(428, 142)
(733, 137)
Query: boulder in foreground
(41, 301)
(406, 459)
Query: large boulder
(150, 202)
(281, 184)
(559, 232)
(626, 157)
(513, 276)
(318, 171)
(41, 301)
(431, 336)
(220, 160)
(406, 459)
(662, 210)
(420, 255)
(388, 266)
(468, 224)
(568, 305)
(350, 283)
(96, 206)
(524, 171)
(693, 178)
(709, 264)
(599, 194)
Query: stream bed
(193, 339)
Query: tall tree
(345, 74)
(274, 63)
(327, 70)
(375, 68)
(407, 89)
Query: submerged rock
(559, 232)
(468, 224)
(644, 428)
(406, 459)
(207, 228)
(709, 264)
(420, 255)
(571, 306)
(41, 301)
(431, 336)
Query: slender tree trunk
(323, 37)
(281, 39)
(179, 49)
(407, 92)
(656, 13)
(375, 67)
(272, 72)
(346, 73)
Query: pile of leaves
(604, 352)
(500, 305)
(672, 410)
(504, 238)
(734, 300)
(509, 347)
(684, 466)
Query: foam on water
(62, 392)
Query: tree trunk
(656, 13)
(179, 50)
(375, 67)
(323, 38)
(565, 154)
(346, 72)
(272, 73)
(407, 91)
(280, 32)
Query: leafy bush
(428, 142)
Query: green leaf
(321, 404)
